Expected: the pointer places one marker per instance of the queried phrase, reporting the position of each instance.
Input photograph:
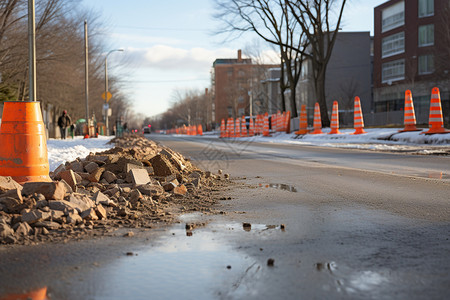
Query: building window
(426, 8)
(393, 44)
(392, 71)
(426, 64)
(230, 111)
(241, 99)
(241, 111)
(393, 16)
(426, 35)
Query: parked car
(146, 130)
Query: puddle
(180, 265)
(279, 186)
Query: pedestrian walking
(64, 121)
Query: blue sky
(169, 45)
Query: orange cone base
(317, 131)
(359, 131)
(302, 131)
(436, 131)
(410, 128)
(334, 131)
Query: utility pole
(32, 50)
(86, 72)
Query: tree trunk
(293, 103)
(320, 94)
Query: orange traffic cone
(251, 129)
(228, 128)
(277, 122)
(266, 131)
(39, 294)
(335, 119)
(23, 143)
(358, 122)
(287, 123)
(237, 128)
(436, 120)
(409, 115)
(243, 127)
(222, 129)
(303, 125)
(199, 129)
(232, 129)
(317, 120)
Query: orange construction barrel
(23, 143)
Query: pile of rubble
(136, 184)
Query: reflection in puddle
(366, 281)
(280, 186)
(178, 266)
(39, 294)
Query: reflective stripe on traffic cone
(266, 126)
(243, 127)
(303, 124)
(222, 129)
(358, 122)
(409, 115)
(317, 120)
(436, 120)
(335, 119)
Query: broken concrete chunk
(96, 175)
(61, 205)
(47, 224)
(69, 177)
(180, 190)
(151, 189)
(74, 218)
(76, 166)
(23, 229)
(58, 170)
(7, 183)
(91, 167)
(101, 212)
(109, 176)
(89, 214)
(162, 166)
(139, 176)
(34, 216)
(51, 190)
(5, 230)
(80, 202)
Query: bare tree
(315, 18)
(272, 22)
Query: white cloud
(165, 57)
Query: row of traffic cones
(187, 130)
(436, 121)
(238, 128)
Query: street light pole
(106, 90)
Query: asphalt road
(356, 225)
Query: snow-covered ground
(60, 151)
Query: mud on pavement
(136, 184)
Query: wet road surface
(356, 225)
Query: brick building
(411, 50)
(234, 82)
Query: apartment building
(411, 51)
(236, 82)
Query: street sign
(109, 96)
